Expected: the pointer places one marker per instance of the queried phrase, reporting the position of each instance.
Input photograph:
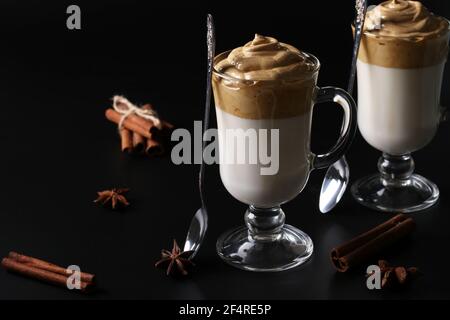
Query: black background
(58, 150)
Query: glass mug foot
(395, 188)
(266, 244)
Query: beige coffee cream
(265, 86)
(400, 68)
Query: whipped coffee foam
(408, 20)
(264, 58)
(265, 79)
(404, 34)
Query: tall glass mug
(264, 94)
(400, 67)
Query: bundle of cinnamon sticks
(371, 244)
(139, 135)
(45, 271)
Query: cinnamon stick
(145, 124)
(135, 121)
(139, 133)
(154, 148)
(138, 143)
(128, 123)
(166, 127)
(126, 140)
(40, 274)
(47, 266)
(165, 131)
(369, 244)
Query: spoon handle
(211, 44)
(361, 9)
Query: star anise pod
(115, 196)
(178, 261)
(396, 276)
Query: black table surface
(58, 151)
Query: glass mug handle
(341, 97)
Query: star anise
(178, 261)
(394, 277)
(115, 196)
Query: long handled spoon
(338, 174)
(199, 223)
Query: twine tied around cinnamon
(123, 106)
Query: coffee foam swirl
(265, 79)
(408, 20)
(264, 58)
(404, 34)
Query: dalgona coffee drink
(266, 84)
(400, 67)
(265, 91)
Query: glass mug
(266, 243)
(398, 113)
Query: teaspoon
(338, 174)
(199, 223)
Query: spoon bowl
(334, 185)
(196, 232)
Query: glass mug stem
(264, 224)
(395, 171)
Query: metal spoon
(338, 174)
(199, 223)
